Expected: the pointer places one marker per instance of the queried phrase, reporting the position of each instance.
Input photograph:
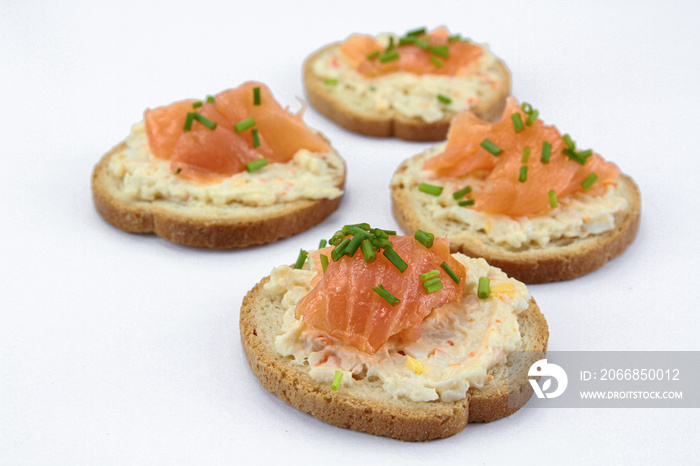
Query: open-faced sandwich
(228, 171)
(519, 194)
(393, 335)
(405, 86)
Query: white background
(124, 349)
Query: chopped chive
(532, 117)
(427, 275)
(484, 287)
(197, 104)
(462, 192)
(379, 233)
(491, 147)
(585, 153)
(395, 259)
(301, 259)
(188, 121)
(322, 244)
(177, 172)
(444, 99)
(569, 142)
(388, 297)
(389, 56)
(454, 37)
(256, 138)
(422, 43)
(546, 152)
(467, 202)
(382, 243)
(441, 50)
(390, 232)
(337, 238)
(354, 244)
(331, 81)
(450, 272)
(437, 62)
(588, 182)
(575, 156)
(517, 122)
(416, 32)
(339, 250)
(368, 250)
(355, 226)
(522, 177)
(374, 55)
(336, 380)
(407, 40)
(424, 238)
(256, 96)
(526, 107)
(210, 99)
(255, 165)
(204, 120)
(244, 124)
(431, 280)
(324, 262)
(430, 189)
(390, 47)
(552, 199)
(433, 285)
(526, 154)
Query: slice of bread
(392, 123)
(562, 259)
(213, 226)
(366, 406)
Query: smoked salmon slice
(504, 190)
(424, 53)
(344, 304)
(218, 149)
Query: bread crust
(569, 260)
(363, 410)
(393, 124)
(215, 229)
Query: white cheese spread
(459, 342)
(308, 176)
(409, 94)
(577, 216)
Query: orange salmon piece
(163, 126)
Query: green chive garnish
(301, 259)
(444, 99)
(188, 121)
(432, 285)
(204, 120)
(575, 156)
(424, 238)
(484, 287)
(427, 275)
(331, 81)
(522, 177)
(322, 244)
(197, 104)
(552, 199)
(532, 117)
(324, 262)
(454, 38)
(390, 47)
(255, 165)
(337, 238)
(517, 122)
(388, 297)
(389, 56)
(569, 142)
(462, 192)
(422, 43)
(441, 50)
(382, 243)
(244, 124)
(395, 259)
(407, 40)
(450, 272)
(467, 202)
(527, 108)
(430, 189)
(256, 138)
(339, 250)
(390, 232)
(437, 62)
(416, 32)
(491, 147)
(210, 99)
(585, 153)
(354, 244)
(526, 154)
(546, 152)
(373, 55)
(588, 182)
(368, 251)
(379, 233)
(256, 96)
(177, 172)
(336, 380)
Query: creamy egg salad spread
(459, 343)
(577, 216)
(411, 95)
(308, 176)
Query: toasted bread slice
(366, 406)
(561, 259)
(391, 122)
(213, 226)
